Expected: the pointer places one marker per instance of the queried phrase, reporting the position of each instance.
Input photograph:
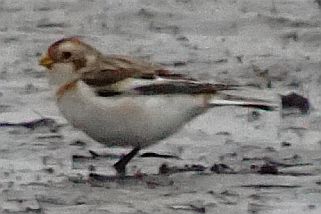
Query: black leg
(120, 166)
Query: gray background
(232, 41)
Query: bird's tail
(231, 100)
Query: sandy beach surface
(229, 160)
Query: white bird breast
(131, 120)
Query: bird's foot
(120, 166)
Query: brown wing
(115, 68)
(142, 78)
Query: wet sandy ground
(235, 160)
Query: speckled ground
(266, 162)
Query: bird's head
(66, 58)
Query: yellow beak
(46, 61)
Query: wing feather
(114, 68)
(116, 75)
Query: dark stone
(311, 206)
(145, 13)
(220, 168)
(91, 168)
(270, 149)
(253, 167)
(182, 38)
(240, 58)
(197, 167)
(268, 169)
(179, 63)
(285, 144)
(255, 115)
(78, 143)
(49, 170)
(294, 100)
(163, 169)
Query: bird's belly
(123, 121)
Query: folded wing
(121, 75)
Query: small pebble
(49, 170)
(78, 143)
(311, 206)
(270, 149)
(268, 169)
(91, 168)
(294, 100)
(220, 168)
(163, 169)
(285, 144)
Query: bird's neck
(63, 89)
(61, 74)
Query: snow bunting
(122, 101)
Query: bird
(129, 102)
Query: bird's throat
(68, 87)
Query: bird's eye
(66, 55)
